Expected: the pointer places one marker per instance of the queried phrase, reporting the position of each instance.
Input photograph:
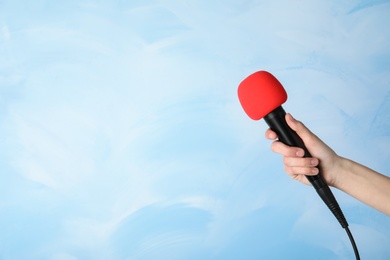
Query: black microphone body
(277, 122)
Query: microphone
(261, 96)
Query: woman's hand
(324, 159)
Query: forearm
(366, 185)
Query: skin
(364, 184)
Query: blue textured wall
(122, 137)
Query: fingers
(292, 170)
(300, 162)
(294, 163)
(285, 150)
(271, 135)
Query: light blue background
(122, 137)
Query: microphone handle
(277, 122)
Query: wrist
(341, 171)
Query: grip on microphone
(277, 122)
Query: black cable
(353, 243)
(338, 213)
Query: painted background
(122, 137)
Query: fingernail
(314, 170)
(313, 161)
(299, 153)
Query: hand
(324, 160)
(359, 181)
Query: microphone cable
(338, 213)
(355, 249)
(327, 196)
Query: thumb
(304, 133)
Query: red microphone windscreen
(260, 93)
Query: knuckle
(275, 147)
(286, 160)
(290, 170)
(295, 162)
(299, 170)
